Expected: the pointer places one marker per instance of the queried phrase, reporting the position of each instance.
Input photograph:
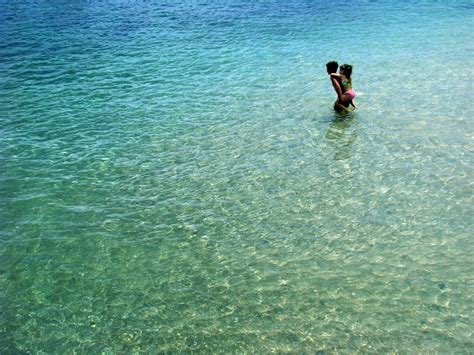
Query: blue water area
(173, 177)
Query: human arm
(336, 86)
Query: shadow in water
(341, 135)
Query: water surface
(173, 177)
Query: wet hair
(347, 70)
(332, 67)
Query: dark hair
(347, 70)
(332, 67)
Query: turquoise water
(173, 177)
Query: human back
(348, 94)
(345, 72)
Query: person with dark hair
(331, 68)
(346, 96)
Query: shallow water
(173, 177)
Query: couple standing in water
(342, 84)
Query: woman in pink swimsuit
(348, 95)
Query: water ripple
(173, 178)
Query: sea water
(173, 177)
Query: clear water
(173, 177)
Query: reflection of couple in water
(342, 83)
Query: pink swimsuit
(351, 93)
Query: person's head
(346, 70)
(331, 67)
